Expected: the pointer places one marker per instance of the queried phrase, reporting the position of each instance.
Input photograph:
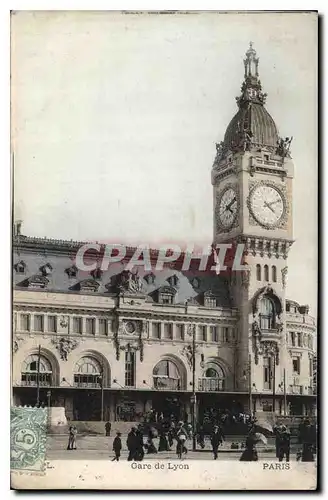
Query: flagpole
(38, 379)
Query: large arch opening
(169, 376)
(213, 379)
(41, 365)
(36, 370)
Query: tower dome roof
(252, 127)
(255, 120)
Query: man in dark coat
(282, 442)
(132, 444)
(307, 437)
(216, 440)
(117, 446)
(108, 427)
(140, 444)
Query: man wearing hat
(282, 442)
(216, 440)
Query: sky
(115, 119)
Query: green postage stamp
(28, 437)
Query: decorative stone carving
(283, 147)
(65, 346)
(245, 277)
(130, 327)
(219, 150)
(191, 329)
(130, 283)
(129, 347)
(187, 352)
(284, 274)
(63, 322)
(71, 271)
(263, 347)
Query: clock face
(227, 208)
(267, 205)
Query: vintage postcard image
(164, 250)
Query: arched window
(32, 366)
(213, 378)
(267, 314)
(88, 372)
(166, 376)
(258, 272)
(266, 273)
(274, 274)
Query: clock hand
(266, 204)
(273, 202)
(230, 204)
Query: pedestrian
(72, 432)
(140, 444)
(181, 436)
(283, 442)
(131, 444)
(163, 441)
(307, 438)
(117, 446)
(216, 440)
(108, 427)
(151, 448)
(250, 452)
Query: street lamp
(248, 376)
(101, 382)
(193, 399)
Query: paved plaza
(100, 448)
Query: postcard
(164, 250)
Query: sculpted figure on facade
(64, 346)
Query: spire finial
(251, 88)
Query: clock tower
(252, 179)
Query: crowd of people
(306, 438)
(140, 439)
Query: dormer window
(165, 295)
(46, 269)
(20, 267)
(97, 273)
(150, 278)
(72, 271)
(37, 281)
(266, 157)
(88, 286)
(173, 280)
(209, 299)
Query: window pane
(180, 331)
(52, 324)
(258, 272)
(103, 326)
(38, 323)
(77, 325)
(25, 322)
(168, 330)
(129, 369)
(156, 330)
(90, 326)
